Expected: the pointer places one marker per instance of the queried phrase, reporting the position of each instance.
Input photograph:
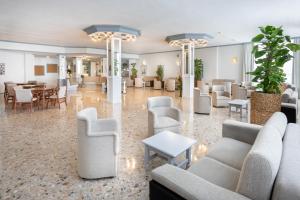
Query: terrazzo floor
(38, 149)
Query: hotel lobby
(149, 100)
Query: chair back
(204, 89)
(23, 95)
(10, 89)
(160, 101)
(216, 88)
(62, 91)
(84, 119)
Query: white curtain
(296, 66)
(248, 62)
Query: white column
(114, 70)
(62, 70)
(188, 70)
(78, 68)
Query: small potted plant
(134, 71)
(160, 72)
(272, 49)
(198, 71)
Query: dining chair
(60, 96)
(10, 95)
(24, 97)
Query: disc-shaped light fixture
(198, 39)
(104, 32)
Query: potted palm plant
(198, 71)
(133, 71)
(272, 49)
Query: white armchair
(162, 115)
(202, 102)
(138, 82)
(171, 84)
(98, 145)
(220, 97)
(157, 85)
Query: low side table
(169, 146)
(238, 104)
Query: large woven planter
(263, 105)
(198, 84)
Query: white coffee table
(238, 104)
(168, 145)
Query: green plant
(69, 71)
(198, 68)
(179, 86)
(272, 49)
(160, 72)
(134, 71)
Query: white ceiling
(60, 22)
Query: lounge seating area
(143, 100)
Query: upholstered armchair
(129, 82)
(138, 82)
(157, 85)
(171, 85)
(97, 145)
(220, 97)
(24, 97)
(162, 115)
(202, 102)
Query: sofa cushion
(279, 121)
(216, 172)
(287, 184)
(163, 122)
(223, 98)
(229, 151)
(261, 165)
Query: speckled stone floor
(38, 150)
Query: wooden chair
(24, 97)
(10, 93)
(60, 96)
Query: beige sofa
(249, 162)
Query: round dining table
(42, 92)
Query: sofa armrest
(190, 186)
(103, 125)
(241, 131)
(174, 113)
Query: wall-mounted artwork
(39, 70)
(51, 68)
(2, 68)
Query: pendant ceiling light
(103, 32)
(197, 39)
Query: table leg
(188, 155)
(146, 158)
(241, 111)
(172, 161)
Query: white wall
(217, 62)
(167, 59)
(14, 67)
(49, 78)
(20, 67)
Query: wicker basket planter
(198, 84)
(263, 105)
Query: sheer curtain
(248, 62)
(296, 66)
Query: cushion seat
(216, 172)
(231, 152)
(164, 122)
(222, 98)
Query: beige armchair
(202, 102)
(171, 85)
(157, 85)
(162, 115)
(220, 97)
(97, 145)
(138, 82)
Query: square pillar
(188, 70)
(114, 70)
